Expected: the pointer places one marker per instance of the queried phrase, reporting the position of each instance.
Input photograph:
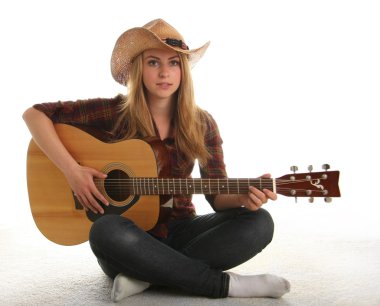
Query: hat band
(176, 43)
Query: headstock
(311, 184)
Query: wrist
(239, 199)
(70, 167)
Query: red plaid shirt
(102, 114)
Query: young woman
(183, 250)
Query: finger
(95, 191)
(98, 174)
(80, 201)
(85, 203)
(100, 197)
(266, 175)
(88, 201)
(94, 203)
(261, 196)
(253, 205)
(270, 194)
(255, 200)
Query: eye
(174, 63)
(153, 63)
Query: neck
(162, 114)
(161, 108)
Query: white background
(289, 83)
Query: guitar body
(55, 210)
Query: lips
(164, 85)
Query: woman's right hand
(81, 181)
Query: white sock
(264, 285)
(124, 286)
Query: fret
(187, 188)
(223, 186)
(237, 182)
(218, 187)
(209, 186)
(173, 186)
(228, 187)
(153, 186)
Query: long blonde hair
(189, 120)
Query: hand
(81, 181)
(256, 198)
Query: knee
(267, 225)
(262, 226)
(107, 228)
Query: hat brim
(135, 41)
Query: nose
(164, 71)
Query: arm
(80, 178)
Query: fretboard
(161, 186)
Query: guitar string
(163, 184)
(196, 182)
(225, 191)
(230, 180)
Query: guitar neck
(161, 186)
(317, 184)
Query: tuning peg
(310, 168)
(311, 200)
(328, 200)
(294, 169)
(325, 167)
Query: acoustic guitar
(136, 178)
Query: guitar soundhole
(115, 185)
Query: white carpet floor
(327, 262)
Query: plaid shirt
(102, 114)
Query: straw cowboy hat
(155, 34)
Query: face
(161, 73)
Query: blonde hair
(188, 119)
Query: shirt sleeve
(215, 166)
(98, 113)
